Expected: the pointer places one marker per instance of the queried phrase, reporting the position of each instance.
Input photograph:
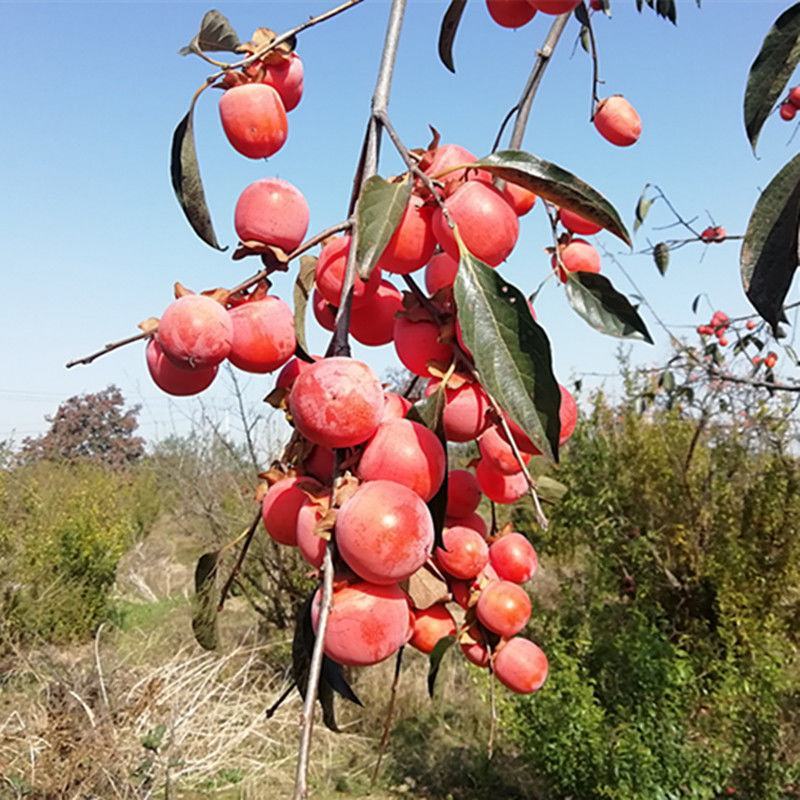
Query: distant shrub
(63, 529)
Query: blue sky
(93, 238)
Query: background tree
(95, 427)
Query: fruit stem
(387, 723)
(544, 55)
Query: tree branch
(108, 349)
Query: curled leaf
(216, 34)
(448, 30)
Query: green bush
(63, 529)
(673, 634)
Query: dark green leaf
(378, 211)
(510, 349)
(582, 15)
(303, 285)
(153, 739)
(204, 602)
(661, 257)
(668, 10)
(216, 34)
(429, 412)
(556, 185)
(585, 40)
(667, 381)
(604, 308)
(442, 646)
(186, 181)
(769, 256)
(447, 33)
(333, 675)
(770, 72)
(696, 303)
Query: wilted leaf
(216, 34)
(556, 185)
(185, 172)
(435, 660)
(642, 207)
(333, 675)
(425, 589)
(303, 285)
(447, 33)
(429, 412)
(769, 255)
(771, 71)
(378, 211)
(604, 308)
(510, 349)
(661, 257)
(204, 602)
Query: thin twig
(251, 532)
(272, 710)
(108, 349)
(535, 78)
(387, 722)
(304, 247)
(493, 717)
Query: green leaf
(186, 182)
(696, 303)
(667, 381)
(215, 35)
(661, 257)
(204, 602)
(303, 285)
(430, 413)
(435, 660)
(604, 308)
(771, 71)
(378, 211)
(153, 739)
(556, 185)
(769, 258)
(510, 349)
(447, 33)
(550, 489)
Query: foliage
(94, 427)
(63, 530)
(673, 641)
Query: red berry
(384, 532)
(330, 271)
(465, 553)
(373, 322)
(431, 625)
(504, 608)
(412, 243)
(521, 666)
(617, 121)
(272, 211)
(463, 493)
(788, 111)
(263, 335)
(336, 402)
(280, 507)
(750, 324)
(178, 381)
(195, 331)
(513, 558)
(285, 75)
(405, 452)
(440, 273)
(417, 344)
(577, 224)
(510, 13)
(254, 119)
(367, 623)
(486, 223)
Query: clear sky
(92, 237)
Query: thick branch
(535, 78)
(367, 167)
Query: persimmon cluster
(361, 471)
(788, 108)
